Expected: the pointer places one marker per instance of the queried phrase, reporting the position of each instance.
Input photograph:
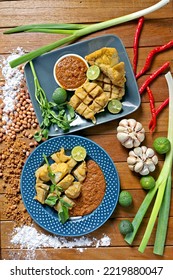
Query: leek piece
(62, 26)
(87, 30)
(163, 220)
(160, 183)
(164, 174)
(140, 214)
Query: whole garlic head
(130, 133)
(142, 160)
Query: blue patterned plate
(45, 216)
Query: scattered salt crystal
(29, 238)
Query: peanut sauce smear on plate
(93, 191)
(70, 71)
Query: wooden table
(157, 30)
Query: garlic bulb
(142, 160)
(130, 133)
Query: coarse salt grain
(29, 238)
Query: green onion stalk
(162, 192)
(79, 31)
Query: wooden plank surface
(157, 31)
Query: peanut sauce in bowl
(70, 71)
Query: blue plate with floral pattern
(45, 216)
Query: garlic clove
(138, 151)
(128, 144)
(123, 122)
(144, 149)
(131, 167)
(136, 143)
(150, 152)
(138, 127)
(141, 136)
(122, 137)
(121, 129)
(144, 171)
(131, 153)
(131, 160)
(132, 123)
(155, 159)
(138, 166)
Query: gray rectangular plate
(44, 68)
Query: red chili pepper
(136, 43)
(153, 76)
(151, 55)
(152, 108)
(159, 109)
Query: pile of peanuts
(21, 119)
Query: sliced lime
(59, 96)
(114, 106)
(93, 72)
(78, 153)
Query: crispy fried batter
(89, 100)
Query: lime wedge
(93, 72)
(114, 106)
(78, 153)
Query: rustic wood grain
(157, 30)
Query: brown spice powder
(13, 157)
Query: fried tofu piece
(81, 93)
(66, 182)
(80, 172)
(88, 107)
(111, 91)
(95, 92)
(58, 206)
(60, 156)
(74, 190)
(42, 173)
(107, 56)
(116, 73)
(89, 86)
(41, 192)
(60, 170)
(102, 100)
(89, 114)
(71, 164)
(75, 101)
(95, 107)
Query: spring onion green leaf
(85, 31)
(51, 200)
(53, 31)
(47, 26)
(161, 184)
(50, 172)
